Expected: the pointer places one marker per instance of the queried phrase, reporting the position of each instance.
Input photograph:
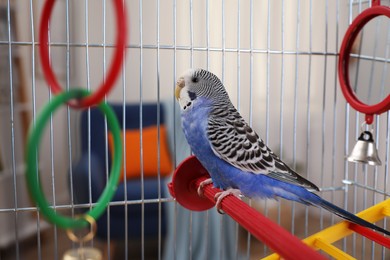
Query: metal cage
(278, 61)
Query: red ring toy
(346, 46)
(114, 70)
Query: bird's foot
(201, 186)
(221, 195)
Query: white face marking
(184, 99)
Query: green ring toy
(33, 180)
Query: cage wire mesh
(278, 61)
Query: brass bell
(365, 150)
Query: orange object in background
(151, 147)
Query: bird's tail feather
(348, 216)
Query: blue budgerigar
(237, 159)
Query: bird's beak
(179, 85)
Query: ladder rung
(331, 249)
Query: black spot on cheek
(187, 105)
(192, 95)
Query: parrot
(237, 159)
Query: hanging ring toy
(114, 70)
(33, 181)
(353, 30)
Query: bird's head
(196, 83)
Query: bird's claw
(202, 185)
(221, 195)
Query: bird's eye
(195, 79)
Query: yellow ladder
(323, 240)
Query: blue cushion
(152, 211)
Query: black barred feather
(234, 141)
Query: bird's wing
(234, 141)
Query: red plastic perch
(186, 179)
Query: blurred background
(278, 61)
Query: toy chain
(77, 98)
